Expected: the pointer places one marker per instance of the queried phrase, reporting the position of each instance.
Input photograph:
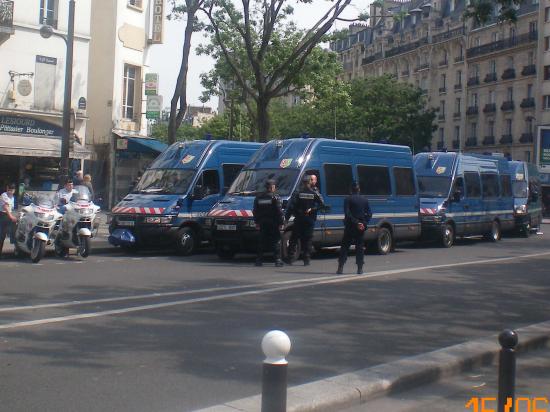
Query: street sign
(82, 103)
(151, 84)
(154, 105)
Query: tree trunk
(180, 93)
(263, 120)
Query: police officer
(304, 206)
(357, 215)
(269, 219)
(7, 216)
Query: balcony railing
(472, 110)
(442, 90)
(457, 115)
(529, 70)
(526, 138)
(490, 108)
(503, 44)
(509, 74)
(456, 144)
(405, 73)
(527, 103)
(440, 145)
(471, 141)
(6, 17)
(448, 35)
(406, 47)
(490, 77)
(507, 106)
(441, 117)
(459, 59)
(424, 66)
(443, 63)
(506, 139)
(473, 81)
(488, 140)
(458, 86)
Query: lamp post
(46, 32)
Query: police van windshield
(169, 181)
(249, 182)
(434, 186)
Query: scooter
(35, 226)
(78, 226)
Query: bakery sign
(27, 126)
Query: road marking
(287, 285)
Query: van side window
(210, 182)
(489, 185)
(374, 180)
(458, 186)
(338, 179)
(404, 181)
(473, 187)
(230, 173)
(506, 185)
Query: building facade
(122, 33)
(32, 73)
(486, 82)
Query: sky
(165, 58)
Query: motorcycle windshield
(81, 193)
(45, 201)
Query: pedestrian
(303, 205)
(7, 216)
(78, 178)
(87, 181)
(268, 216)
(357, 214)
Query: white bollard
(276, 346)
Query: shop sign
(151, 84)
(158, 21)
(24, 87)
(27, 126)
(46, 60)
(544, 148)
(154, 105)
(122, 144)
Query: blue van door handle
(466, 207)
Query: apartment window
(530, 58)
(529, 123)
(475, 70)
(477, 41)
(473, 129)
(547, 14)
(535, 2)
(443, 81)
(442, 107)
(546, 43)
(510, 62)
(492, 67)
(457, 133)
(490, 128)
(473, 99)
(491, 96)
(131, 86)
(135, 3)
(457, 105)
(441, 135)
(529, 91)
(374, 180)
(510, 94)
(546, 72)
(512, 33)
(459, 77)
(508, 126)
(532, 26)
(546, 101)
(494, 36)
(48, 13)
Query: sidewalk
(360, 390)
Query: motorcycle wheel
(38, 250)
(84, 247)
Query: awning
(15, 145)
(144, 145)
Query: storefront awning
(14, 145)
(145, 145)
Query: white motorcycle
(35, 226)
(77, 227)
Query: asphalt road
(155, 332)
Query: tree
(483, 10)
(264, 54)
(189, 11)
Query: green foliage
(184, 132)
(482, 11)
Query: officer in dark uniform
(304, 206)
(269, 219)
(357, 215)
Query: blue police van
(464, 195)
(176, 191)
(384, 172)
(526, 189)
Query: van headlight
(521, 209)
(158, 219)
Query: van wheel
(285, 248)
(186, 239)
(225, 252)
(447, 236)
(384, 241)
(495, 234)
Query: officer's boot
(360, 269)
(277, 254)
(340, 269)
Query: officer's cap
(270, 182)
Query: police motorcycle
(35, 227)
(77, 227)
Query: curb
(352, 389)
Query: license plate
(126, 223)
(226, 227)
